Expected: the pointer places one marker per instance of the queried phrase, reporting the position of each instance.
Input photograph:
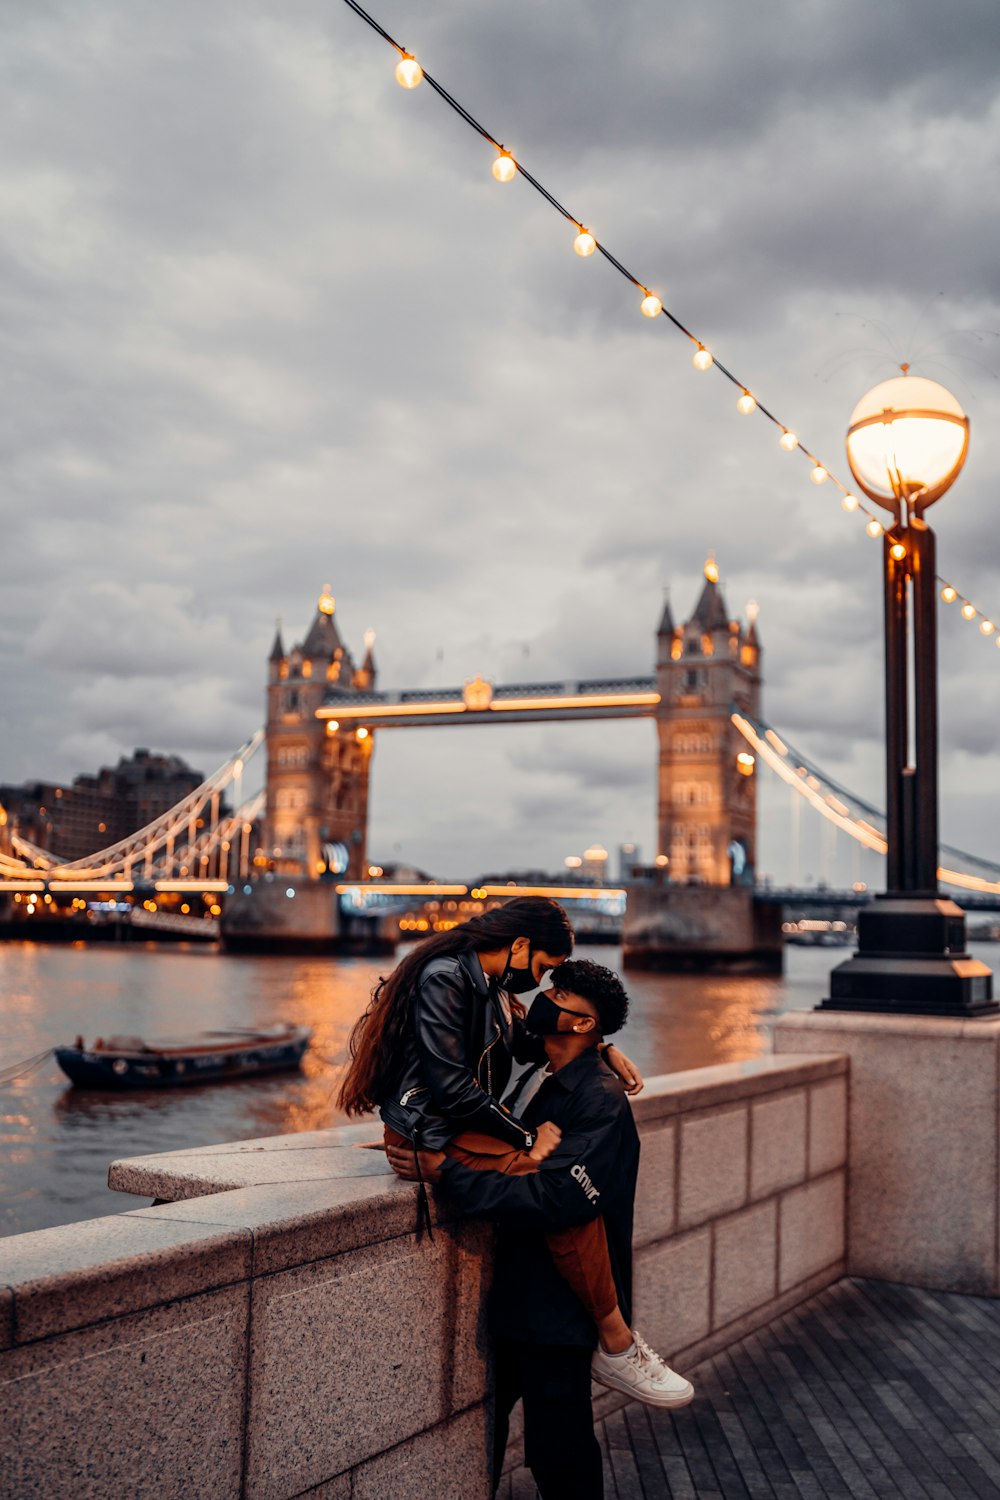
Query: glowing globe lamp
(907, 440)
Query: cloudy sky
(268, 322)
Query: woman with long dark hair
(434, 1051)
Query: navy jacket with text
(592, 1172)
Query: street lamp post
(906, 444)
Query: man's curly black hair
(604, 990)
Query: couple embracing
(554, 1162)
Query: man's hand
(547, 1138)
(400, 1159)
(626, 1070)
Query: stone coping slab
(985, 1030)
(78, 1274)
(323, 1156)
(699, 1088)
(312, 1156)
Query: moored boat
(129, 1062)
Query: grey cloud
(268, 321)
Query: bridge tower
(316, 816)
(707, 793)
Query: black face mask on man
(543, 1015)
(518, 981)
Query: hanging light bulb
(788, 441)
(874, 528)
(702, 358)
(987, 627)
(948, 594)
(968, 611)
(819, 475)
(850, 502)
(746, 403)
(505, 167)
(585, 244)
(650, 306)
(898, 551)
(409, 73)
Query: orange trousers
(580, 1253)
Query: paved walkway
(870, 1391)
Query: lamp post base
(912, 960)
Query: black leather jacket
(457, 1059)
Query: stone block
(924, 1106)
(713, 1165)
(811, 1229)
(149, 1406)
(352, 1356)
(77, 1274)
(451, 1462)
(671, 1297)
(6, 1317)
(745, 1264)
(654, 1198)
(827, 1126)
(469, 1277)
(777, 1143)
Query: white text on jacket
(580, 1173)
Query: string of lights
(410, 74)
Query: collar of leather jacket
(474, 971)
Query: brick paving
(869, 1391)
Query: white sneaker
(641, 1374)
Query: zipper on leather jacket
(486, 1055)
(529, 1135)
(410, 1093)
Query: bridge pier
(284, 914)
(706, 928)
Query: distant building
(97, 810)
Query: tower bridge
(304, 834)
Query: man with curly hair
(548, 1350)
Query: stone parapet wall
(740, 1208)
(924, 1202)
(276, 1330)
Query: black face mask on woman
(518, 981)
(543, 1015)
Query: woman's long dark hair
(379, 1036)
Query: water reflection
(56, 1142)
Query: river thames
(57, 1141)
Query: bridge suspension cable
(852, 814)
(506, 166)
(180, 842)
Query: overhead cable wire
(749, 402)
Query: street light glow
(907, 439)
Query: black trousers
(560, 1448)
